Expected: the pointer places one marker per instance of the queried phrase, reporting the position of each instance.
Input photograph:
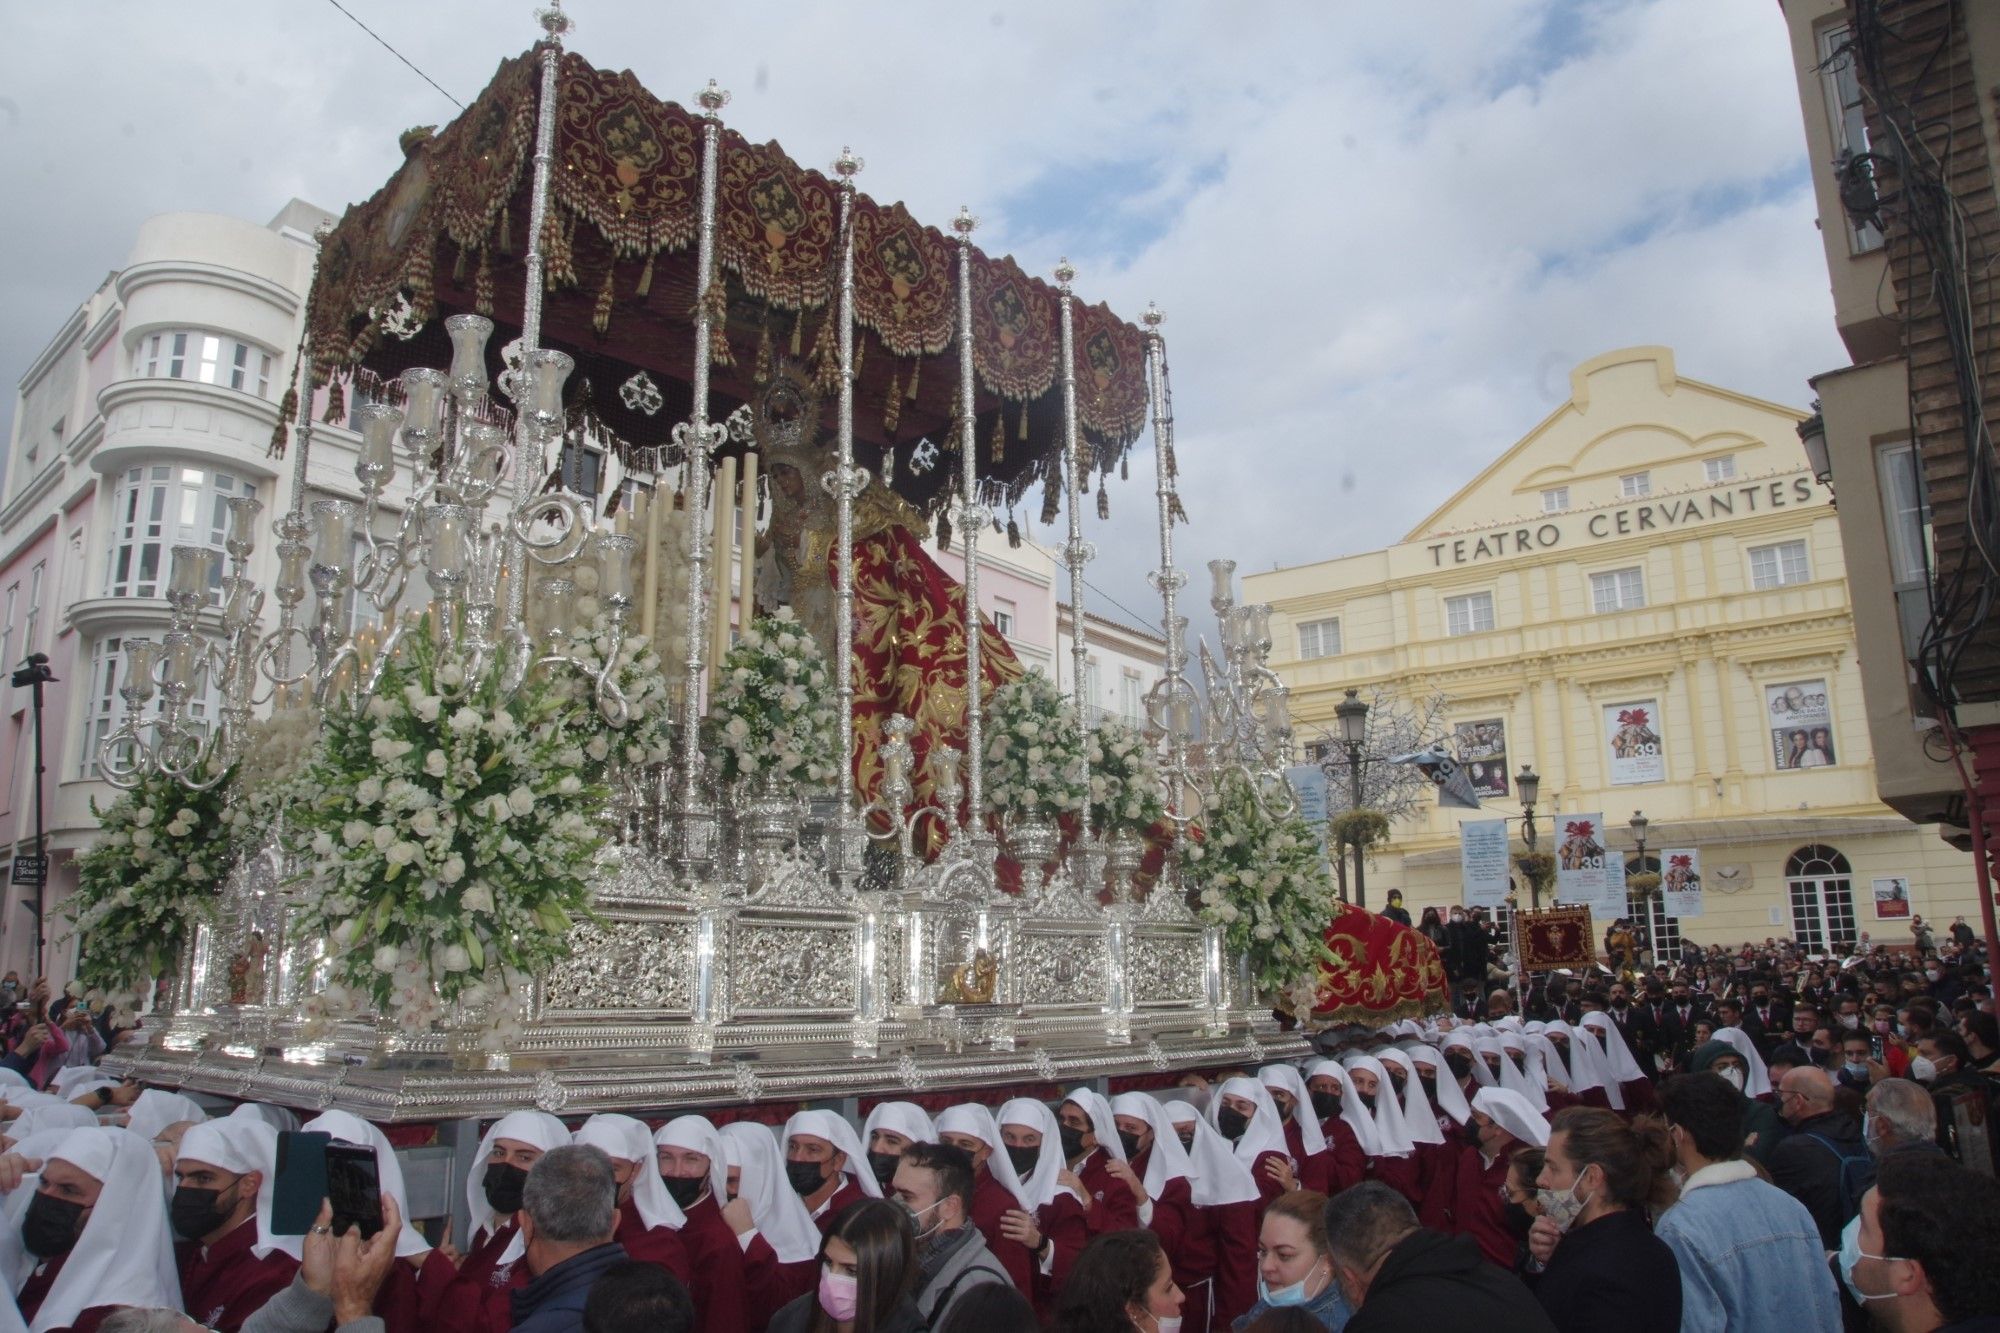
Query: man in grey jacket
(934, 1182)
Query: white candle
(649, 608)
(746, 588)
(725, 496)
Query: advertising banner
(1801, 722)
(1632, 743)
(1482, 850)
(1482, 749)
(1580, 858)
(1680, 881)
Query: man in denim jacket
(1750, 1254)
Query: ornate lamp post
(1528, 786)
(1638, 825)
(1353, 715)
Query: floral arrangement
(1035, 751)
(270, 772)
(447, 832)
(1259, 878)
(156, 867)
(1125, 791)
(648, 734)
(773, 710)
(1360, 828)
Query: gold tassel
(645, 288)
(336, 405)
(1175, 514)
(798, 332)
(1000, 433)
(506, 229)
(482, 285)
(1013, 532)
(860, 354)
(1173, 464)
(716, 302)
(458, 266)
(1125, 466)
(1103, 500)
(600, 315)
(911, 392)
(287, 409)
(762, 373)
(1049, 502)
(826, 359)
(944, 532)
(1024, 420)
(892, 407)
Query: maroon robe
(1347, 1165)
(772, 1284)
(991, 1201)
(716, 1258)
(399, 1304)
(1062, 1221)
(1640, 1098)
(1596, 1097)
(1439, 1209)
(224, 1284)
(1314, 1171)
(36, 1290)
(652, 1245)
(1267, 1188)
(1401, 1174)
(1112, 1207)
(1479, 1210)
(1234, 1226)
(1560, 1100)
(846, 1196)
(1183, 1233)
(479, 1297)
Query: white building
(152, 404)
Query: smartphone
(354, 1184)
(313, 1168)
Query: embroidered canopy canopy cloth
(447, 234)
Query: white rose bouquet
(1034, 751)
(1260, 880)
(448, 836)
(772, 707)
(648, 734)
(156, 866)
(1125, 791)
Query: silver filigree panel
(1061, 969)
(792, 967)
(624, 966)
(1165, 969)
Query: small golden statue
(973, 982)
(1623, 946)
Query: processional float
(750, 941)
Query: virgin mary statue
(909, 627)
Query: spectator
(337, 1281)
(1922, 1261)
(1122, 1280)
(991, 1307)
(1823, 1144)
(1523, 1205)
(867, 1276)
(635, 1297)
(569, 1212)
(1749, 1254)
(934, 1182)
(1395, 911)
(1400, 1276)
(1601, 1265)
(1294, 1270)
(1762, 1129)
(1900, 1115)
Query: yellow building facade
(1645, 599)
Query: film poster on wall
(1482, 751)
(1634, 750)
(1801, 723)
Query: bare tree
(1395, 726)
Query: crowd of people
(1668, 1152)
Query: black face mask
(1130, 1143)
(197, 1212)
(806, 1177)
(51, 1226)
(1024, 1159)
(883, 1164)
(1619, 1002)
(1232, 1123)
(1367, 1100)
(1326, 1105)
(684, 1190)
(1072, 1141)
(1187, 1139)
(1460, 1063)
(504, 1184)
(1430, 1086)
(1519, 1219)
(1469, 1131)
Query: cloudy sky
(1383, 233)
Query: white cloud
(1383, 233)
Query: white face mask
(1922, 1070)
(1562, 1207)
(1735, 1077)
(1170, 1324)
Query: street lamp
(1812, 434)
(1638, 824)
(1528, 785)
(1353, 715)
